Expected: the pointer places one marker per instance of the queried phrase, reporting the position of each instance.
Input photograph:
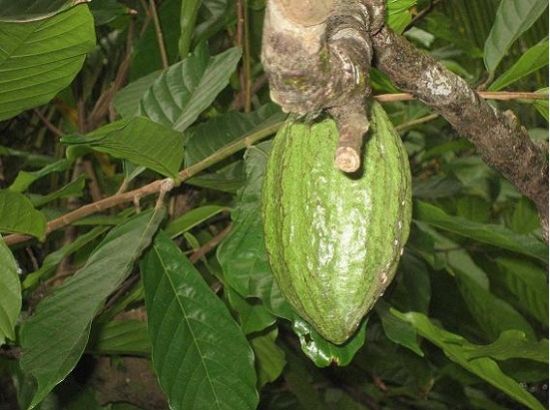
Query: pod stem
(352, 124)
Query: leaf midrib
(193, 337)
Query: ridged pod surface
(333, 239)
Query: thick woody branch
(317, 56)
(498, 137)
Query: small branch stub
(352, 127)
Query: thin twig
(160, 37)
(243, 43)
(488, 95)
(104, 102)
(415, 122)
(422, 14)
(48, 124)
(211, 244)
(149, 189)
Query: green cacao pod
(334, 239)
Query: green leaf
(413, 289)
(398, 14)
(32, 10)
(10, 293)
(120, 337)
(321, 351)
(106, 11)
(513, 18)
(17, 215)
(453, 346)
(270, 358)
(68, 312)
(494, 315)
(532, 60)
(397, 330)
(495, 235)
(53, 259)
(525, 218)
(72, 189)
(186, 89)
(39, 59)
(450, 255)
(126, 101)
(139, 140)
(528, 283)
(188, 17)
(214, 15)
(192, 218)
(24, 179)
(229, 178)
(242, 253)
(542, 105)
(252, 314)
(204, 139)
(199, 353)
(511, 344)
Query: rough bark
(498, 136)
(317, 56)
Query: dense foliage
(133, 273)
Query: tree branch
(498, 137)
(152, 188)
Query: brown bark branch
(498, 137)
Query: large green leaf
(534, 59)
(454, 347)
(513, 18)
(139, 140)
(188, 17)
(200, 355)
(54, 338)
(242, 254)
(120, 337)
(511, 344)
(10, 293)
(39, 59)
(528, 283)
(126, 101)
(186, 89)
(29, 10)
(493, 314)
(496, 235)
(17, 215)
